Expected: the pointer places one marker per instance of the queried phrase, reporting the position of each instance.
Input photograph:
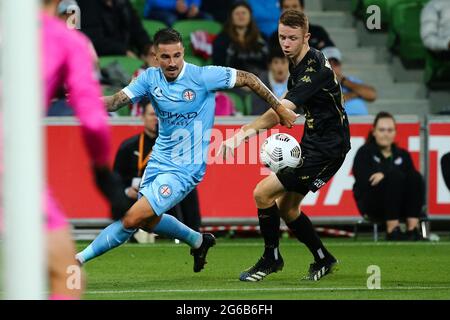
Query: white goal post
(23, 173)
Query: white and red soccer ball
(280, 151)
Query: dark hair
(167, 36)
(146, 49)
(295, 19)
(380, 115)
(302, 3)
(251, 36)
(276, 52)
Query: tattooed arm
(116, 101)
(286, 116)
(279, 111)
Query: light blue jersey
(185, 109)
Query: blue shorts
(164, 190)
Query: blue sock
(112, 236)
(170, 226)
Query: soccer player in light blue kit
(183, 97)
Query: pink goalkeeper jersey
(68, 62)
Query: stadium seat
(366, 221)
(404, 32)
(356, 8)
(382, 4)
(390, 4)
(376, 224)
(186, 27)
(248, 104)
(124, 112)
(130, 65)
(437, 72)
(109, 91)
(359, 9)
(139, 6)
(152, 26)
(238, 101)
(194, 60)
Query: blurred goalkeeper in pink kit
(68, 63)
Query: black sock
(269, 224)
(304, 231)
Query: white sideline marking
(294, 243)
(261, 289)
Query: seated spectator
(114, 27)
(275, 79)
(356, 94)
(319, 37)
(266, 14)
(387, 186)
(170, 11)
(445, 165)
(435, 27)
(240, 44)
(131, 160)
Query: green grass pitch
(164, 271)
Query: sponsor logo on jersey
(306, 79)
(228, 77)
(319, 183)
(157, 92)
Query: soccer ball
(280, 151)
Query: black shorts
(312, 175)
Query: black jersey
(314, 89)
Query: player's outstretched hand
(287, 116)
(110, 185)
(228, 146)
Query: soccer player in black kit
(314, 90)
